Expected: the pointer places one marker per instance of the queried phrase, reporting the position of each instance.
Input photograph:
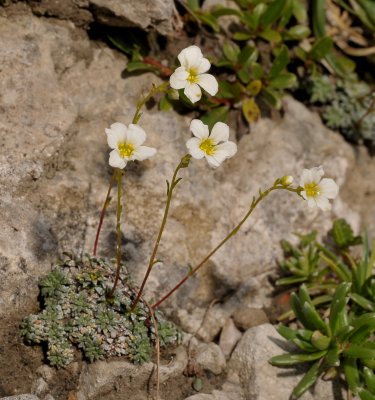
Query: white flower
(316, 190)
(126, 144)
(191, 75)
(215, 147)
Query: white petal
(323, 203)
(215, 160)
(220, 132)
(193, 146)
(191, 57)
(311, 202)
(316, 174)
(193, 92)
(204, 66)
(227, 148)
(178, 79)
(115, 160)
(329, 188)
(305, 177)
(143, 152)
(199, 129)
(116, 134)
(208, 83)
(135, 135)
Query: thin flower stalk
(137, 115)
(170, 187)
(276, 186)
(119, 174)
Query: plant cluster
(77, 313)
(334, 310)
(272, 46)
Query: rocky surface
(59, 90)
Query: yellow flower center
(208, 146)
(312, 189)
(193, 75)
(125, 149)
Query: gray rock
(40, 387)
(247, 317)
(259, 379)
(159, 14)
(211, 358)
(21, 397)
(229, 337)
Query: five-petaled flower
(316, 190)
(215, 147)
(126, 144)
(191, 75)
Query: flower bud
(185, 160)
(286, 180)
(173, 94)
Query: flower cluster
(127, 142)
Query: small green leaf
(133, 66)
(320, 341)
(365, 394)
(165, 104)
(272, 98)
(312, 315)
(338, 304)
(221, 11)
(351, 373)
(240, 36)
(231, 51)
(248, 56)
(283, 81)
(297, 32)
(300, 11)
(360, 351)
(272, 13)
(369, 378)
(290, 280)
(270, 35)
(343, 235)
(257, 71)
(280, 62)
(321, 48)
(244, 75)
(209, 20)
(286, 332)
(215, 115)
(254, 87)
(250, 110)
(363, 302)
(193, 5)
(288, 359)
(307, 381)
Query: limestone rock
(259, 379)
(229, 337)
(211, 358)
(247, 317)
(21, 397)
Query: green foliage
(77, 314)
(334, 309)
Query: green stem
(154, 89)
(254, 203)
(119, 174)
(106, 202)
(170, 187)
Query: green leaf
(338, 304)
(286, 332)
(283, 81)
(319, 17)
(215, 115)
(240, 36)
(321, 48)
(290, 280)
(231, 51)
(320, 341)
(257, 71)
(271, 97)
(288, 359)
(365, 394)
(193, 5)
(360, 351)
(297, 32)
(165, 104)
(251, 18)
(298, 312)
(209, 20)
(244, 75)
(367, 319)
(133, 66)
(312, 315)
(221, 11)
(343, 235)
(250, 110)
(369, 378)
(272, 13)
(228, 90)
(270, 35)
(248, 55)
(351, 373)
(280, 62)
(306, 382)
(300, 11)
(342, 65)
(363, 302)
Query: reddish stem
(165, 71)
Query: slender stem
(144, 100)
(183, 164)
(106, 202)
(118, 174)
(254, 203)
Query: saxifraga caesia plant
(127, 145)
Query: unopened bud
(185, 160)
(287, 180)
(173, 94)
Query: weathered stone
(159, 14)
(259, 379)
(40, 387)
(21, 397)
(247, 317)
(211, 358)
(229, 337)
